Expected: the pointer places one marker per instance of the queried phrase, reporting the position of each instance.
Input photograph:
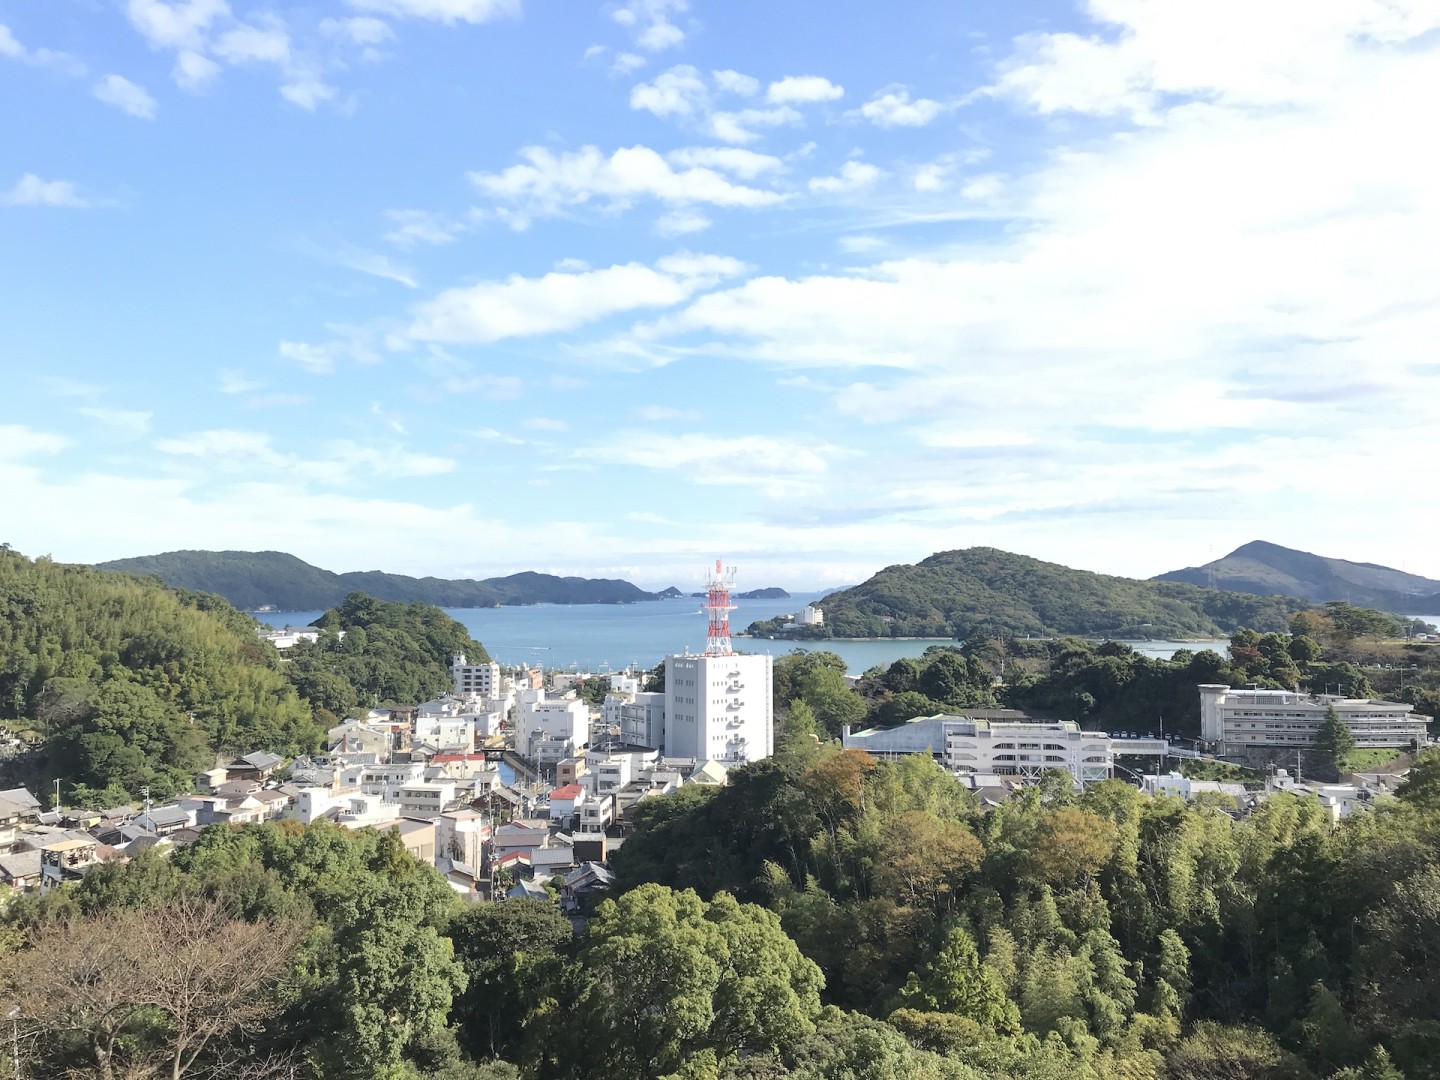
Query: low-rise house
(257, 767)
(460, 876)
(527, 889)
(709, 774)
(273, 803)
(211, 779)
(584, 885)
(28, 804)
(68, 857)
(565, 802)
(524, 836)
(11, 817)
(163, 820)
(21, 870)
(596, 815)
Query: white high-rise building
(478, 680)
(548, 729)
(719, 707)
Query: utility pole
(145, 794)
(57, 794)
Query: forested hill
(1269, 569)
(130, 683)
(985, 591)
(255, 579)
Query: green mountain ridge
(981, 590)
(256, 579)
(1268, 569)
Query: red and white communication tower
(717, 609)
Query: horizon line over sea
(611, 637)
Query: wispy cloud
(31, 190)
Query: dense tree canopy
(130, 683)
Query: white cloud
(175, 25)
(444, 11)
(678, 91)
(746, 164)
(861, 242)
(358, 30)
(232, 381)
(649, 23)
(734, 82)
(681, 223)
(546, 423)
(31, 190)
(339, 460)
(853, 176)
(802, 89)
(657, 413)
(522, 307)
(933, 176)
(548, 182)
(778, 464)
(416, 227)
(250, 44)
(18, 441)
(892, 107)
(131, 423)
(682, 93)
(308, 90)
(193, 71)
(627, 63)
(739, 127)
(366, 262)
(63, 62)
(120, 93)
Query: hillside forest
(823, 916)
(115, 683)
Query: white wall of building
(1233, 719)
(548, 729)
(477, 680)
(719, 707)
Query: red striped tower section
(717, 609)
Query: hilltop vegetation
(129, 683)
(391, 653)
(254, 579)
(823, 916)
(1269, 569)
(983, 591)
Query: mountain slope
(253, 579)
(1269, 569)
(984, 591)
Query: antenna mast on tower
(717, 609)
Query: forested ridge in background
(255, 579)
(128, 683)
(959, 594)
(1270, 569)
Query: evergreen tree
(1334, 739)
(957, 982)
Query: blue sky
(472, 286)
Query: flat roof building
(1233, 720)
(1004, 748)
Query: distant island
(772, 593)
(1268, 569)
(276, 581)
(981, 590)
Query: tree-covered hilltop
(254, 579)
(130, 683)
(390, 654)
(959, 594)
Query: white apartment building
(810, 615)
(638, 716)
(1003, 747)
(1232, 720)
(548, 729)
(719, 707)
(426, 799)
(475, 680)
(609, 770)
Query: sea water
(609, 637)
